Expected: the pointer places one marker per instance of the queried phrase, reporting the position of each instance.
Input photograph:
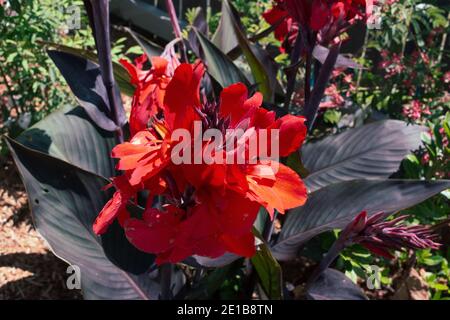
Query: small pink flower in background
(445, 98)
(334, 99)
(446, 77)
(415, 110)
(392, 65)
(440, 174)
(348, 79)
(425, 158)
(444, 137)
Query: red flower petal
(115, 206)
(273, 15)
(377, 250)
(292, 133)
(243, 245)
(320, 15)
(156, 233)
(286, 191)
(183, 95)
(234, 102)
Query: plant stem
(443, 42)
(331, 255)
(166, 281)
(291, 71)
(100, 17)
(363, 55)
(268, 227)
(319, 88)
(176, 28)
(308, 77)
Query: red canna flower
(208, 208)
(150, 87)
(328, 18)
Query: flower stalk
(98, 12)
(176, 29)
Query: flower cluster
(327, 18)
(415, 110)
(391, 64)
(198, 208)
(381, 236)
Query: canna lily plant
(182, 193)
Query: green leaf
(269, 271)
(212, 282)
(332, 116)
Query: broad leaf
(220, 67)
(68, 134)
(120, 73)
(145, 16)
(200, 25)
(65, 200)
(225, 38)
(334, 285)
(321, 53)
(84, 78)
(150, 49)
(372, 151)
(256, 59)
(334, 206)
(221, 261)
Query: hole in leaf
(45, 190)
(36, 201)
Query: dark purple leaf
(219, 66)
(232, 31)
(70, 135)
(372, 151)
(321, 53)
(84, 78)
(334, 206)
(100, 17)
(334, 285)
(201, 26)
(150, 49)
(65, 200)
